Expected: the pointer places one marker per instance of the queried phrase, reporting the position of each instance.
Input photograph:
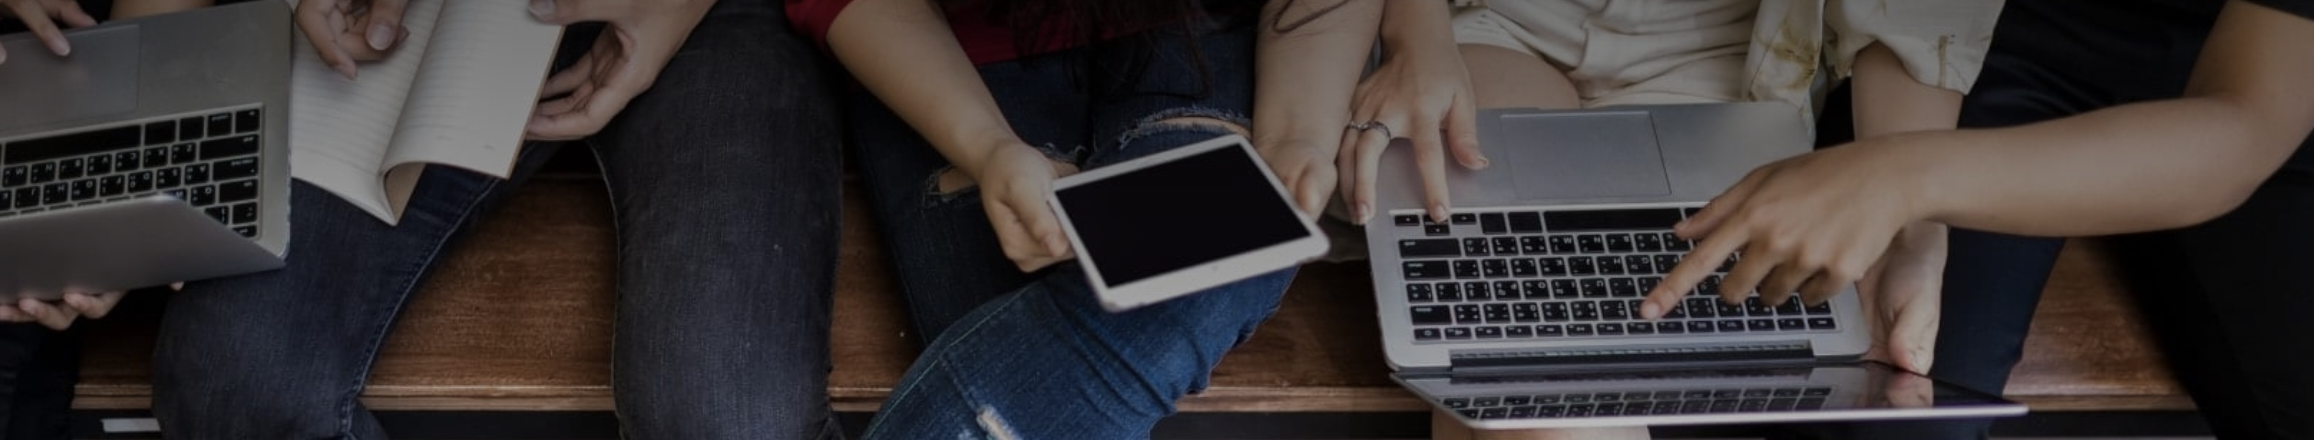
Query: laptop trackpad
(1584, 156)
(99, 79)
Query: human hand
(642, 35)
(1813, 223)
(40, 16)
(1421, 94)
(347, 31)
(1902, 297)
(61, 315)
(1305, 167)
(1014, 179)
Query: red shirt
(984, 41)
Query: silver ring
(1386, 133)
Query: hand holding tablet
(1181, 221)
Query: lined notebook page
(340, 130)
(476, 89)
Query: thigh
(724, 180)
(287, 351)
(944, 250)
(1504, 78)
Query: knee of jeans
(1198, 122)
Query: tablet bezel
(1194, 278)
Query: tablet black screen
(1179, 214)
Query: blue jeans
(1033, 353)
(724, 178)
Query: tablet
(1181, 221)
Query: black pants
(38, 368)
(2226, 298)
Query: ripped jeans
(1033, 355)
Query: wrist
(982, 148)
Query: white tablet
(1181, 221)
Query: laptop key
(1550, 330)
(196, 173)
(1581, 266)
(1435, 229)
(1821, 324)
(1824, 308)
(1647, 242)
(1418, 293)
(1506, 290)
(73, 168)
(1528, 222)
(1672, 242)
(1466, 269)
(1639, 265)
(1594, 287)
(1463, 218)
(1448, 292)
(1670, 327)
(1610, 329)
(1552, 266)
(112, 186)
(43, 172)
(235, 169)
(1755, 307)
(169, 177)
(229, 147)
(55, 193)
(203, 195)
(1701, 327)
(1729, 310)
(1703, 307)
(223, 215)
(1522, 412)
(1427, 334)
(191, 128)
(161, 132)
(1526, 312)
(1475, 247)
(1476, 291)
(1551, 411)
(181, 154)
(1505, 246)
(1556, 312)
(1425, 270)
(1415, 248)
(1533, 245)
(1620, 243)
(1623, 287)
(1518, 331)
(141, 181)
(1489, 332)
(14, 176)
(1536, 289)
(1580, 330)
(1493, 223)
(1791, 324)
(247, 121)
(1562, 244)
(1458, 332)
(1467, 314)
(1455, 402)
(1497, 313)
(1497, 413)
(1591, 244)
(1731, 326)
(100, 165)
(237, 190)
(1614, 311)
(1790, 307)
(1495, 268)
(156, 157)
(1430, 315)
(1640, 328)
(1782, 404)
(245, 213)
(220, 124)
(1407, 220)
(1609, 265)
(1565, 289)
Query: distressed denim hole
(950, 183)
(1195, 119)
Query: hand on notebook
(642, 36)
(1014, 180)
(1420, 93)
(347, 31)
(41, 16)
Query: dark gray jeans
(724, 178)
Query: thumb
(1912, 340)
(385, 19)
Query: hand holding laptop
(60, 316)
(41, 17)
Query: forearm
(127, 9)
(1304, 76)
(1888, 100)
(904, 53)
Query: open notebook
(456, 93)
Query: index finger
(37, 20)
(1690, 271)
(319, 20)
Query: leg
(283, 354)
(1501, 77)
(724, 178)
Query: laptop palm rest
(1585, 156)
(99, 79)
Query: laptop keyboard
(1507, 275)
(208, 159)
(1639, 403)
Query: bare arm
(903, 51)
(1307, 62)
(2145, 166)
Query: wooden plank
(519, 318)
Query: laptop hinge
(1667, 355)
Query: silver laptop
(154, 153)
(1521, 310)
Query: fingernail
(1681, 225)
(347, 69)
(1483, 162)
(1438, 212)
(542, 9)
(381, 36)
(1365, 212)
(1650, 310)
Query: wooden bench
(519, 319)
